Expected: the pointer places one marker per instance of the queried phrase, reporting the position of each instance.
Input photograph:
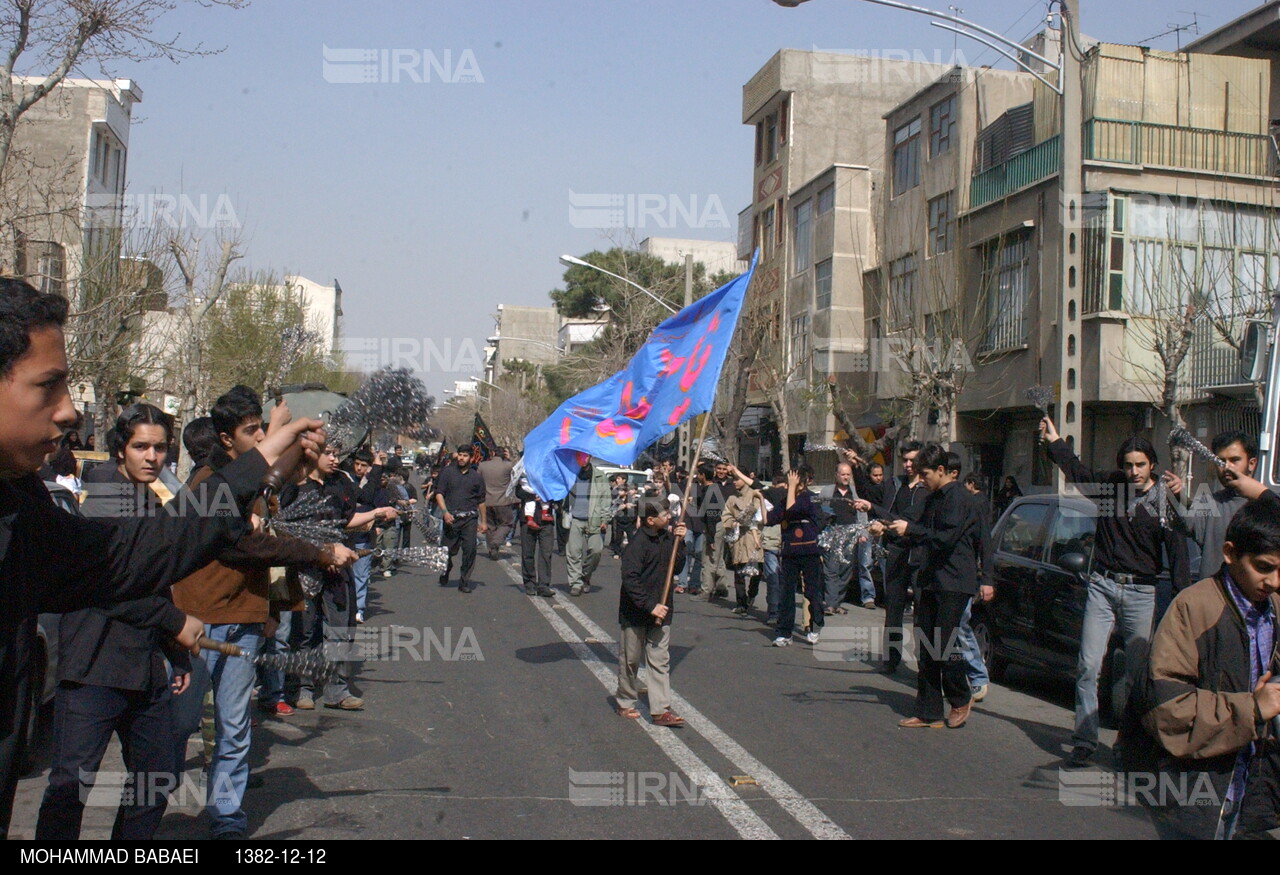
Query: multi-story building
(820, 165)
(63, 196)
(714, 255)
(1179, 231)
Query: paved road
(499, 703)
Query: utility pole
(1071, 204)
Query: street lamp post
(571, 261)
(1070, 187)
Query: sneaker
(359, 618)
(546, 592)
(575, 590)
(283, 709)
(465, 586)
(739, 610)
(869, 604)
(980, 693)
(771, 620)
(350, 703)
(781, 642)
(811, 637)
(530, 589)
(305, 704)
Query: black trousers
(940, 653)
(536, 547)
(85, 716)
(794, 570)
(898, 580)
(623, 527)
(460, 536)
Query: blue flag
(670, 379)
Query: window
(759, 142)
(826, 200)
(780, 213)
(940, 224)
(50, 267)
(902, 291)
(1072, 533)
(1023, 531)
(800, 341)
(942, 126)
(782, 121)
(1007, 281)
(906, 156)
(822, 285)
(803, 236)
(766, 231)
(771, 138)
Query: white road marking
(804, 811)
(741, 817)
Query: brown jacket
(235, 588)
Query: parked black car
(1037, 615)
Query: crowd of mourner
(184, 622)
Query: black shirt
(463, 492)
(950, 533)
(1129, 539)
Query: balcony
(1033, 165)
(1143, 143)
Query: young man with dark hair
(904, 499)
(1207, 696)
(111, 664)
(714, 489)
(1206, 521)
(232, 595)
(198, 439)
(645, 616)
(1130, 551)
(460, 493)
(949, 532)
(53, 561)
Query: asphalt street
(495, 719)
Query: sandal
(680, 589)
(841, 611)
(629, 713)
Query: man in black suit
(950, 535)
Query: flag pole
(684, 506)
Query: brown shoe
(305, 704)
(917, 723)
(668, 718)
(959, 716)
(350, 703)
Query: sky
(447, 185)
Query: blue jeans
(360, 571)
(272, 692)
(233, 680)
(1133, 607)
(693, 546)
(866, 585)
(975, 667)
(772, 581)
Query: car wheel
(996, 665)
(35, 704)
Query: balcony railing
(1130, 142)
(1021, 170)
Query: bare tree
(56, 37)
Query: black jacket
(122, 646)
(53, 561)
(951, 534)
(1127, 543)
(644, 574)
